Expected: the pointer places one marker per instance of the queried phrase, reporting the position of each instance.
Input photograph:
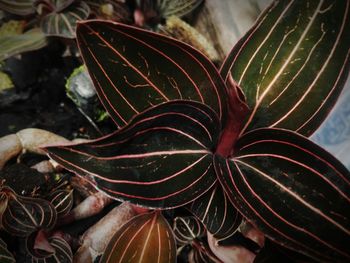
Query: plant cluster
(190, 135)
(209, 150)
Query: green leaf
(5, 255)
(187, 229)
(11, 45)
(62, 23)
(62, 200)
(24, 215)
(217, 213)
(18, 7)
(179, 8)
(293, 190)
(292, 64)
(145, 238)
(162, 159)
(134, 69)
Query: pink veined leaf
(292, 64)
(59, 252)
(291, 189)
(162, 159)
(147, 238)
(134, 69)
(25, 215)
(187, 229)
(62, 200)
(217, 213)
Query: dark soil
(39, 99)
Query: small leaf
(145, 238)
(187, 229)
(11, 45)
(24, 215)
(19, 7)
(177, 8)
(134, 69)
(62, 252)
(38, 245)
(63, 23)
(62, 200)
(217, 213)
(292, 190)
(292, 65)
(5, 255)
(162, 159)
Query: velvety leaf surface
(5, 255)
(24, 215)
(19, 7)
(293, 190)
(134, 69)
(62, 23)
(62, 200)
(145, 238)
(162, 159)
(293, 63)
(217, 213)
(186, 229)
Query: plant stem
(237, 111)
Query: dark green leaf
(293, 190)
(5, 255)
(187, 229)
(63, 23)
(24, 215)
(273, 253)
(18, 7)
(293, 63)
(217, 213)
(62, 200)
(162, 159)
(145, 238)
(134, 69)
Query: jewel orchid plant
(228, 140)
